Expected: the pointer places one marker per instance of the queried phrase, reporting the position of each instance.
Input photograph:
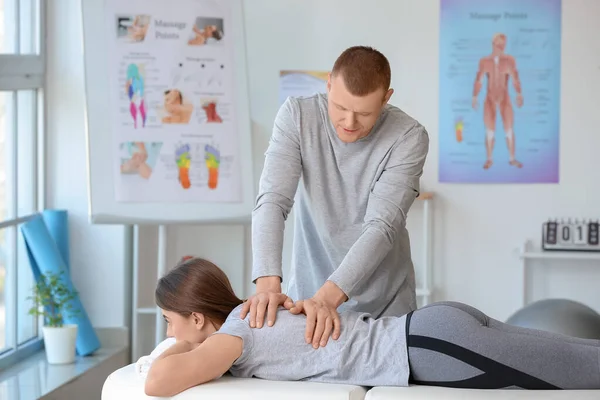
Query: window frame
(26, 72)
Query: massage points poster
(499, 91)
(172, 103)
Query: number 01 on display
(568, 235)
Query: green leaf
(52, 299)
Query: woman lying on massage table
(443, 344)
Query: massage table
(126, 384)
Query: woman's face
(194, 328)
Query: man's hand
(268, 298)
(321, 319)
(321, 314)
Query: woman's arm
(182, 366)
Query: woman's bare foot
(487, 164)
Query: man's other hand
(322, 320)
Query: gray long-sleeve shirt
(351, 199)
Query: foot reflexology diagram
(173, 102)
(213, 160)
(184, 163)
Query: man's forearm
(276, 191)
(362, 259)
(268, 224)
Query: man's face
(353, 116)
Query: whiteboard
(103, 206)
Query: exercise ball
(562, 316)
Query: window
(22, 71)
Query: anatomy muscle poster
(172, 105)
(499, 91)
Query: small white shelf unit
(425, 292)
(528, 252)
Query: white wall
(96, 251)
(474, 259)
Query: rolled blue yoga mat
(57, 222)
(45, 257)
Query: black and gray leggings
(454, 345)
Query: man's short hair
(363, 70)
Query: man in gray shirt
(352, 163)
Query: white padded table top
(125, 384)
(431, 392)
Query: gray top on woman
(351, 209)
(368, 352)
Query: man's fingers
(261, 309)
(327, 331)
(337, 326)
(253, 307)
(281, 298)
(245, 308)
(311, 320)
(319, 327)
(297, 308)
(288, 303)
(272, 312)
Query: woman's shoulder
(236, 326)
(236, 314)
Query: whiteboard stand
(135, 311)
(128, 275)
(162, 269)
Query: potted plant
(52, 300)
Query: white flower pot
(60, 343)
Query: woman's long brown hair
(197, 285)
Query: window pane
(8, 275)
(5, 100)
(26, 205)
(29, 26)
(7, 127)
(26, 324)
(3, 296)
(6, 288)
(8, 19)
(26, 152)
(19, 26)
